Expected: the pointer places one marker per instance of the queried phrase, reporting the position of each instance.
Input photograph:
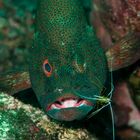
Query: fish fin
(125, 52)
(13, 82)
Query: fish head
(66, 80)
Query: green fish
(68, 68)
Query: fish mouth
(69, 109)
(64, 103)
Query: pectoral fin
(125, 52)
(13, 82)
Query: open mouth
(68, 103)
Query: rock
(129, 114)
(134, 81)
(20, 121)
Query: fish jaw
(69, 109)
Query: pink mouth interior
(68, 103)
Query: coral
(119, 17)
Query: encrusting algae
(19, 121)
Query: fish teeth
(53, 106)
(69, 103)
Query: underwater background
(113, 19)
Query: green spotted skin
(64, 37)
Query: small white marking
(63, 43)
(59, 90)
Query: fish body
(67, 64)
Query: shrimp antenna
(110, 106)
(112, 118)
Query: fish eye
(47, 68)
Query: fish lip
(66, 98)
(78, 102)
